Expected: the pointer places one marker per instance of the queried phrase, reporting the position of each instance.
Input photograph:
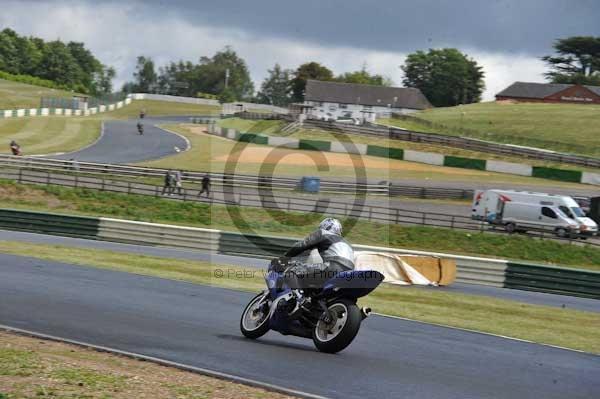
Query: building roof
(350, 93)
(539, 90)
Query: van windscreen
(578, 212)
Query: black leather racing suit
(336, 252)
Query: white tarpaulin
(402, 269)
(395, 268)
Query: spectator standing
(167, 184)
(178, 181)
(205, 186)
(15, 148)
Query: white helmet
(332, 225)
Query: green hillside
(559, 127)
(14, 95)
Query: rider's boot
(300, 300)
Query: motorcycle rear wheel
(337, 335)
(254, 323)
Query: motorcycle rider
(140, 128)
(336, 252)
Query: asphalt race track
(121, 143)
(198, 326)
(535, 298)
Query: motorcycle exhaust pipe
(365, 312)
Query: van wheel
(510, 228)
(561, 232)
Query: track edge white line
(484, 333)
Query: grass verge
(33, 368)
(14, 95)
(560, 127)
(211, 153)
(564, 327)
(273, 128)
(260, 221)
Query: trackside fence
(474, 270)
(458, 142)
(224, 179)
(268, 199)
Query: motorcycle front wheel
(255, 318)
(336, 335)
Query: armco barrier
(552, 279)
(466, 163)
(72, 226)
(466, 143)
(556, 174)
(20, 113)
(473, 270)
(274, 200)
(410, 155)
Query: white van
(520, 210)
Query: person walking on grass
(178, 181)
(205, 186)
(167, 187)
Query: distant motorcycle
(140, 128)
(330, 316)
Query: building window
(343, 106)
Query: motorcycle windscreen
(353, 284)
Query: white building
(359, 102)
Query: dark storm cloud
(519, 26)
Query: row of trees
(225, 76)
(69, 65)
(446, 76)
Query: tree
(88, 64)
(446, 77)
(59, 65)
(276, 89)
(309, 70)
(103, 81)
(224, 70)
(364, 77)
(177, 78)
(577, 61)
(145, 75)
(68, 65)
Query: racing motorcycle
(329, 315)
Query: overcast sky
(507, 37)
